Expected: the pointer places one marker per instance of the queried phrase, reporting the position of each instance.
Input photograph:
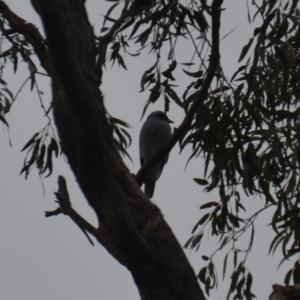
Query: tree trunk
(133, 228)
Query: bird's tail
(149, 189)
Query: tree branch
(30, 33)
(197, 98)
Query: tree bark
(133, 228)
(281, 292)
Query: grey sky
(50, 258)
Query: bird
(154, 133)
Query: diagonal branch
(30, 33)
(196, 98)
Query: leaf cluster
(155, 27)
(247, 131)
(40, 151)
(6, 100)
(14, 49)
(122, 137)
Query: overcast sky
(51, 258)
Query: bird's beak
(170, 121)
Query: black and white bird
(154, 133)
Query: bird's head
(160, 116)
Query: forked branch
(65, 207)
